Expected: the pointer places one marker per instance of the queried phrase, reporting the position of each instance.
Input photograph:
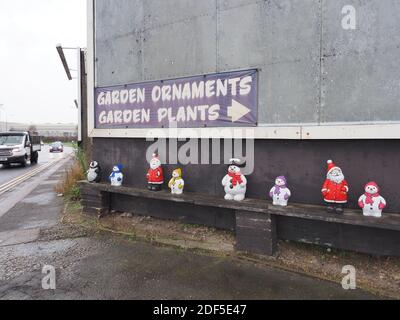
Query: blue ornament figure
(116, 176)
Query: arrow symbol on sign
(237, 111)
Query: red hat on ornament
(331, 166)
(372, 183)
(155, 156)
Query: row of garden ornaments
(334, 189)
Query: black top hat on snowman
(237, 162)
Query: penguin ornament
(116, 176)
(235, 182)
(94, 172)
(176, 183)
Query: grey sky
(33, 84)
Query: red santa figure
(335, 189)
(155, 177)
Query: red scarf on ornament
(236, 178)
(369, 199)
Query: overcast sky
(33, 85)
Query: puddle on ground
(42, 248)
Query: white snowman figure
(176, 183)
(235, 182)
(94, 172)
(280, 193)
(116, 176)
(371, 201)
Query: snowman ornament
(116, 176)
(176, 183)
(235, 182)
(94, 172)
(371, 201)
(280, 193)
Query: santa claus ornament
(235, 182)
(371, 201)
(176, 183)
(335, 189)
(116, 176)
(155, 177)
(280, 193)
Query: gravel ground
(380, 275)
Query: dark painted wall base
(187, 213)
(341, 236)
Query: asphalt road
(7, 174)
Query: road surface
(7, 174)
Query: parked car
(57, 147)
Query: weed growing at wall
(68, 185)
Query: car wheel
(35, 157)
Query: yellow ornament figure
(176, 183)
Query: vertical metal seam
(321, 60)
(141, 37)
(216, 35)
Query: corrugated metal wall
(311, 69)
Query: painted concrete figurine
(235, 182)
(280, 193)
(116, 176)
(155, 176)
(335, 189)
(371, 201)
(94, 172)
(176, 183)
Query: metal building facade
(324, 91)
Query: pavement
(110, 267)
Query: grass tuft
(68, 185)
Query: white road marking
(9, 201)
(18, 180)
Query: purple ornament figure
(280, 193)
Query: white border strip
(90, 67)
(359, 130)
(325, 132)
(78, 52)
(205, 133)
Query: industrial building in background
(67, 132)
